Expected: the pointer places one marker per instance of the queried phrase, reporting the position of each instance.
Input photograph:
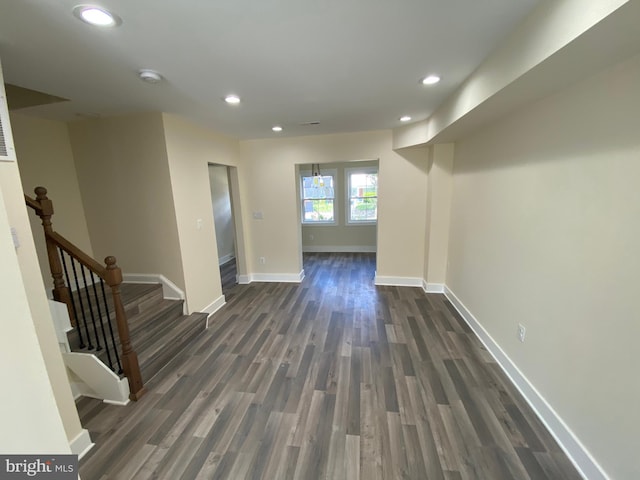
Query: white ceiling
(352, 65)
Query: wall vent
(3, 143)
(7, 152)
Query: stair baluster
(57, 247)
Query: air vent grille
(3, 143)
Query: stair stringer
(92, 378)
(87, 374)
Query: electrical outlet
(521, 332)
(310, 237)
(262, 260)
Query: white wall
(544, 231)
(39, 314)
(190, 149)
(44, 153)
(123, 173)
(269, 186)
(29, 415)
(222, 212)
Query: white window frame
(330, 172)
(347, 199)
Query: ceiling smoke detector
(149, 76)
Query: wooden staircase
(109, 317)
(157, 326)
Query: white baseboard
(81, 444)
(226, 258)
(398, 281)
(339, 248)
(432, 287)
(213, 307)
(271, 277)
(575, 450)
(170, 290)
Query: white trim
(339, 248)
(170, 290)
(433, 287)
(271, 277)
(213, 307)
(568, 441)
(398, 281)
(94, 379)
(226, 258)
(119, 404)
(81, 444)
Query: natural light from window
(363, 196)
(318, 199)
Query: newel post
(130, 364)
(61, 292)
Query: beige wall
(31, 422)
(342, 234)
(44, 153)
(190, 149)
(544, 232)
(439, 207)
(546, 32)
(33, 286)
(124, 180)
(271, 188)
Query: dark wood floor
(228, 277)
(331, 378)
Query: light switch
(257, 216)
(199, 224)
(14, 235)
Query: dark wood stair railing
(57, 246)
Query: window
(318, 198)
(362, 190)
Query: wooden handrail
(33, 203)
(78, 254)
(110, 273)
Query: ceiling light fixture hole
(430, 80)
(96, 16)
(149, 76)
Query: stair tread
(158, 329)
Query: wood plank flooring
(332, 378)
(228, 277)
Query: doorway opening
(338, 207)
(225, 225)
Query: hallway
(330, 378)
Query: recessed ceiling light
(430, 80)
(149, 76)
(232, 99)
(276, 128)
(96, 16)
(405, 118)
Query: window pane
(363, 193)
(318, 210)
(364, 209)
(317, 187)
